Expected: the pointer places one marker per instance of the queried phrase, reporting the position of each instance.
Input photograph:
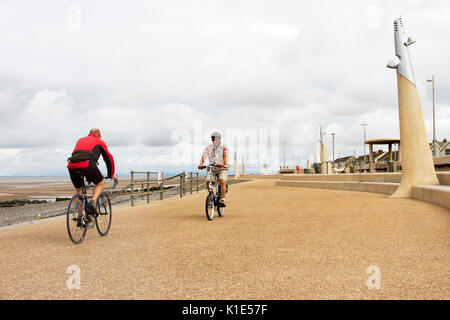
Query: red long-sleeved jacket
(97, 146)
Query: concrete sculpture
(417, 162)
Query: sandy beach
(272, 243)
(46, 190)
(41, 190)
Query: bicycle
(212, 200)
(78, 221)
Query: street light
(333, 147)
(434, 121)
(364, 125)
(284, 152)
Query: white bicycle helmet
(216, 135)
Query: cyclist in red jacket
(84, 163)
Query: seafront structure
(417, 162)
(409, 172)
(390, 161)
(236, 167)
(324, 159)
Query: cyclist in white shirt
(217, 154)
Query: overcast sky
(143, 71)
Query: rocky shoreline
(23, 202)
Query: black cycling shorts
(92, 174)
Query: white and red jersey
(215, 153)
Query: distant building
(351, 164)
(382, 163)
(442, 148)
(341, 162)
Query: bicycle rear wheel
(76, 227)
(209, 207)
(103, 220)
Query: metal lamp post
(434, 120)
(333, 147)
(364, 125)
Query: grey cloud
(159, 139)
(144, 70)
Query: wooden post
(132, 187)
(190, 182)
(197, 182)
(181, 186)
(148, 187)
(161, 187)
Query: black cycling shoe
(80, 222)
(88, 222)
(91, 209)
(222, 203)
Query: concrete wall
(439, 195)
(374, 187)
(383, 183)
(357, 177)
(444, 177)
(259, 177)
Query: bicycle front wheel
(209, 207)
(76, 227)
(103, 220)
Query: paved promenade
(272, 243)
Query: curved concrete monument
(324, 154)
(324, 159)
(417, 162)
(236, 167)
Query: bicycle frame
(213, 200)
(77, 217)
(214, 181)
(84, 200)
(84, 197)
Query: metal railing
(159, 184)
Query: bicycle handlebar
(210, 166)
(116, 182)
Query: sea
(37, 179)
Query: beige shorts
(223, 175)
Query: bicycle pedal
(89, 225)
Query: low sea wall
(383, 183)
